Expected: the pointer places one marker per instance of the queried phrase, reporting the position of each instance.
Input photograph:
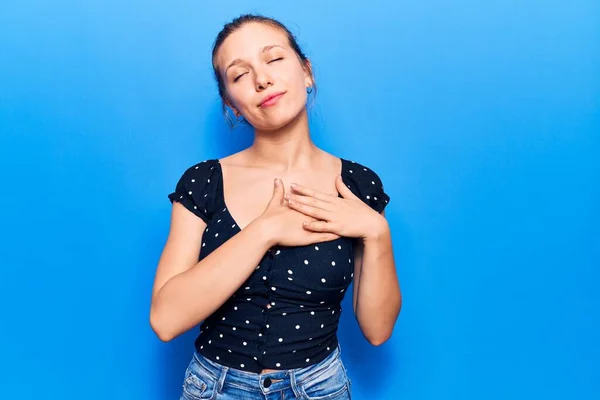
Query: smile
(271, 100)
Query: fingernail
(276, 182)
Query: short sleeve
(365, 184)
(197, 188)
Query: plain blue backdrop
(481, 117)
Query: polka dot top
(286, 314)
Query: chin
(279, 121)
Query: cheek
(294, 79)
(240, 96)
(294, 84)
(299, 95)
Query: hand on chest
(248, 194)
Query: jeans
(326, 380)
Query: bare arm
(376, 294)
(377, 299)
(186, 291)
(359, 249)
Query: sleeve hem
(188, 204)
(382, 202)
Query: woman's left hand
(348, 216)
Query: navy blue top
(304, 285)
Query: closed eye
(273, 60)
(239, 76)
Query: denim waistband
(281, 380)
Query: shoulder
(360, 173)
(200, 169)
(197, 187)
(365, 183)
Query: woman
(264, 263)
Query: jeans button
(267, 382)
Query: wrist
(378, 229)
(262, 232)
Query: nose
(263, 80)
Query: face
(264, 79)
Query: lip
(271, 99)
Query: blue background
(481, 117)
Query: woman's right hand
(284, 224)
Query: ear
(235, 111)
(308, 74)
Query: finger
(308, 210)
(278, 192)
(327, 237)
(319, 226)
(342, 188)
(309, 201)
(306, 191)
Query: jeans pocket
(330, 384)
(197, 384)
(349, 389)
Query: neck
(289, 147)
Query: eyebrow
(262, 50)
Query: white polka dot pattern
(293, 296)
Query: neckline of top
(222, 190)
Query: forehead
(247, 41)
